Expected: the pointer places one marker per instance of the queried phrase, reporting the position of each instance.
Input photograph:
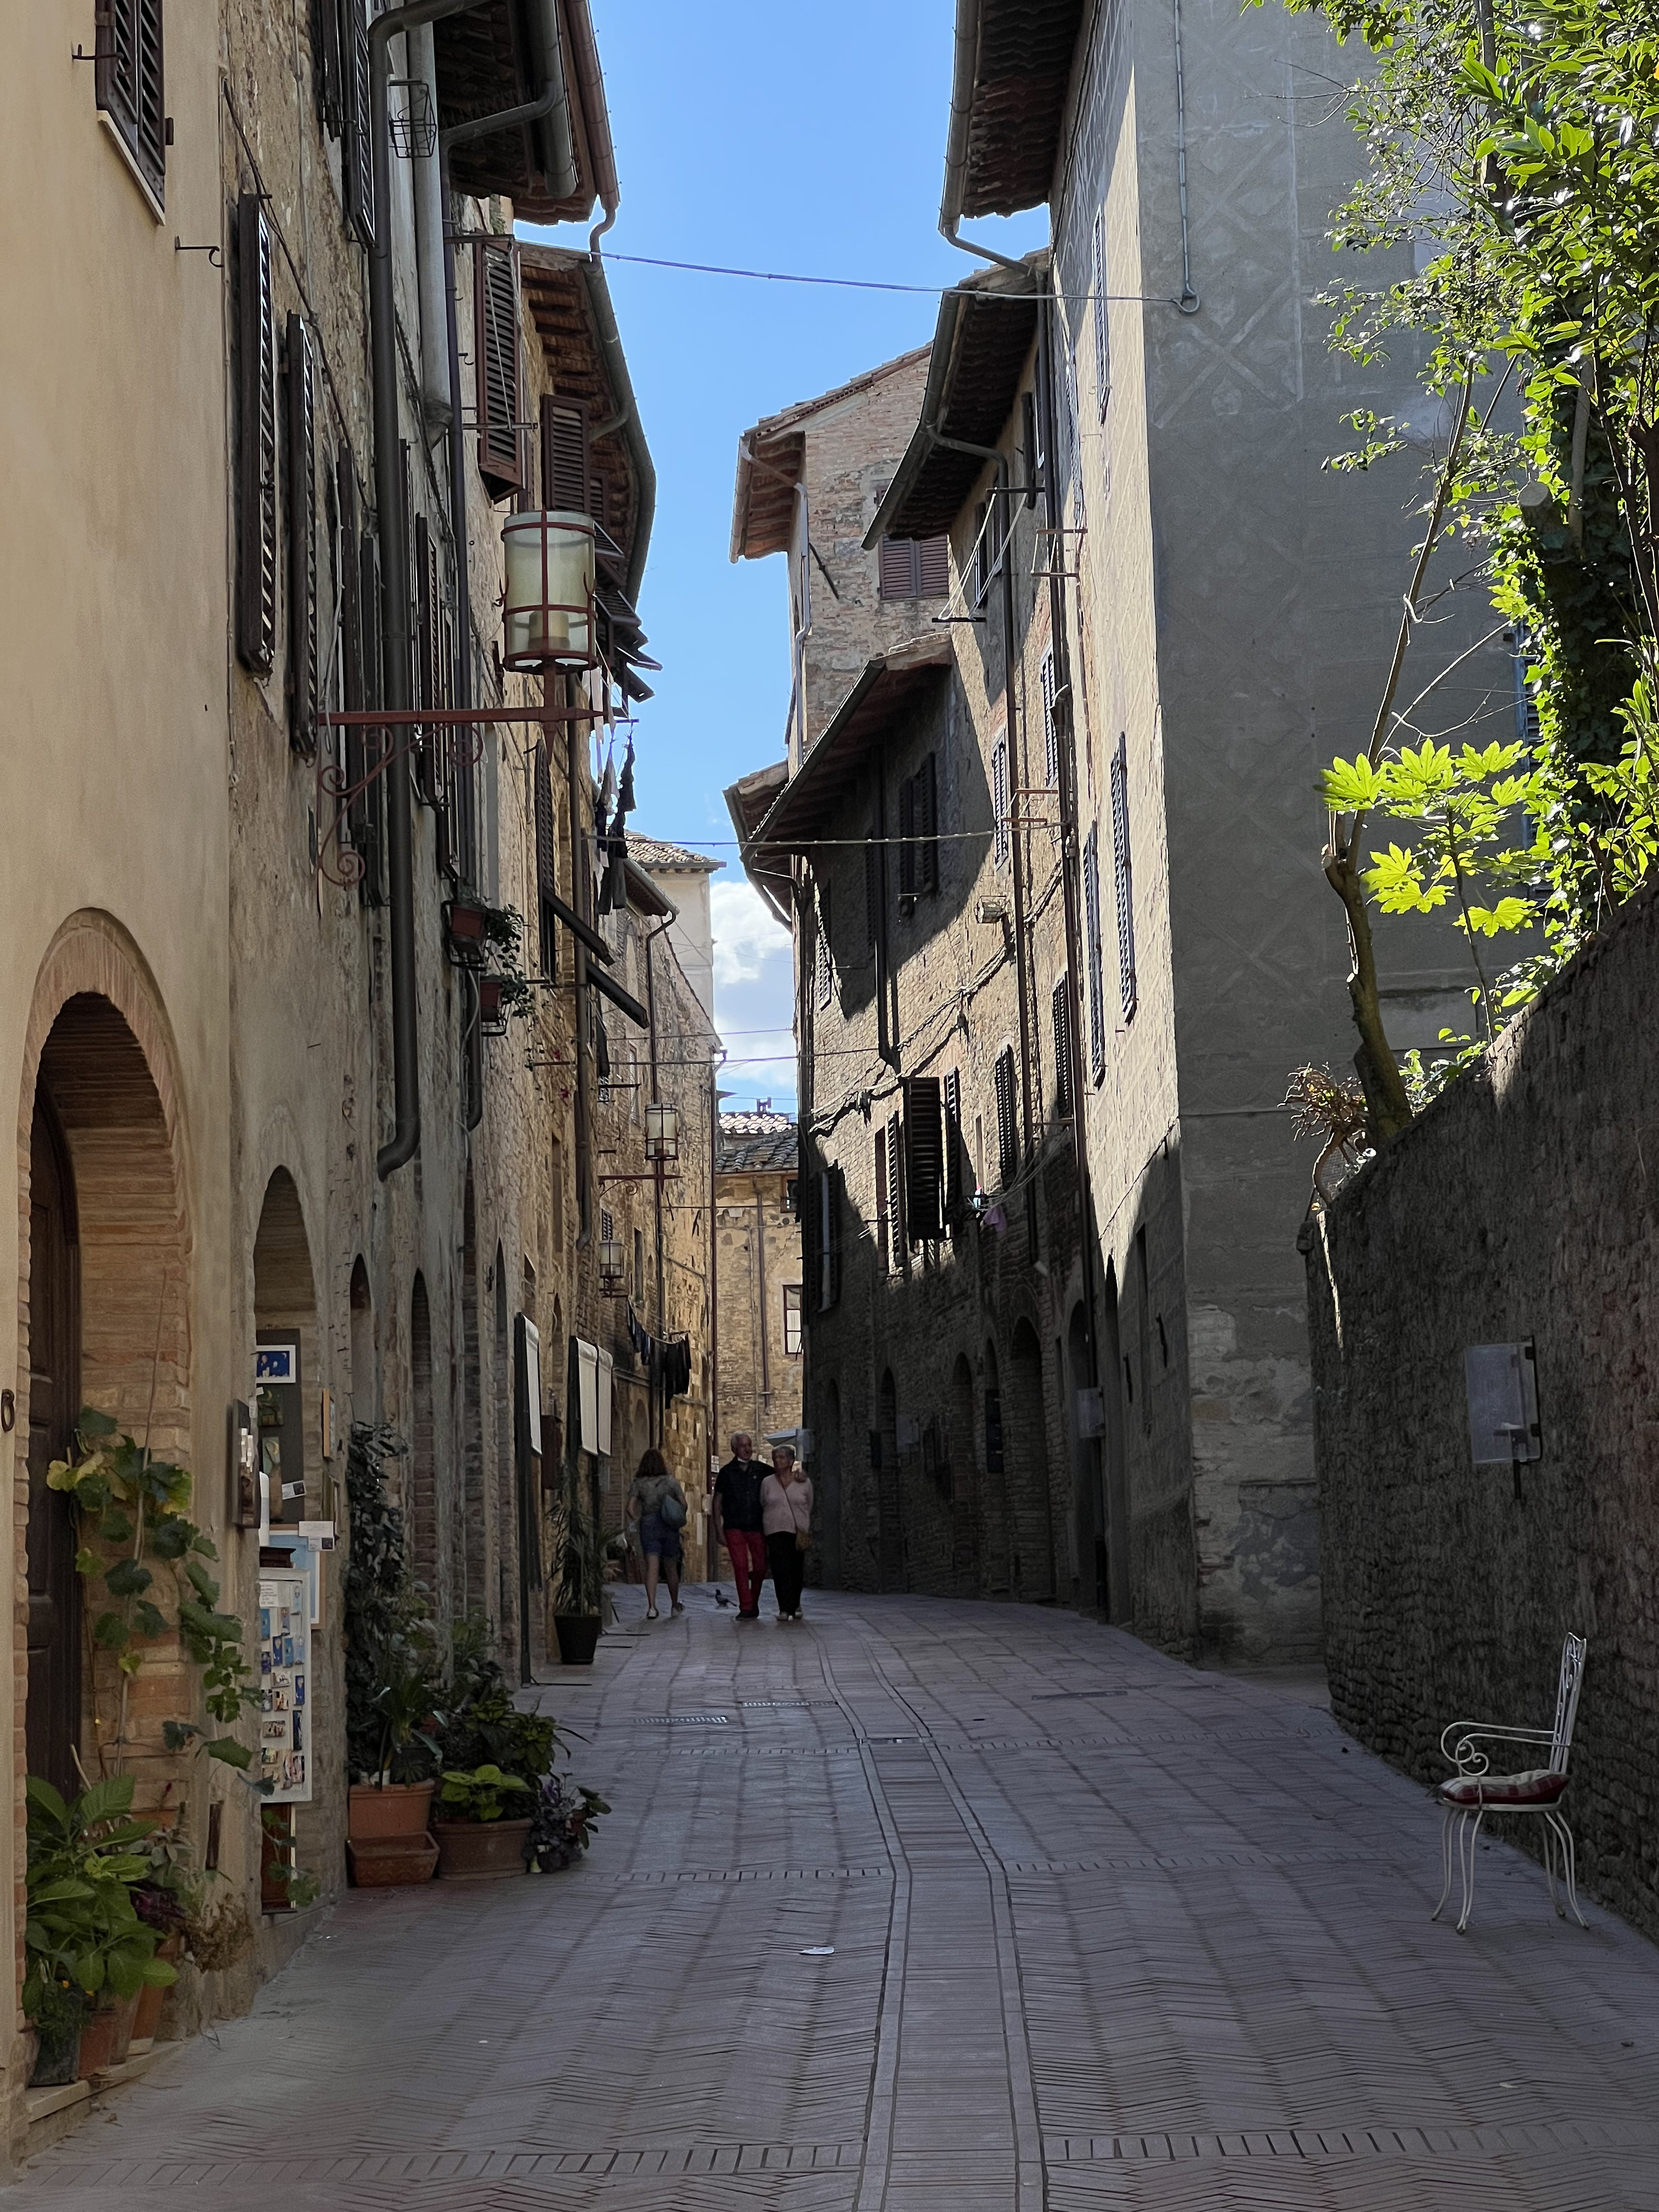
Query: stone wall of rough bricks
(1521, 1205)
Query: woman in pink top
(786, 1517)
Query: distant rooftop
(751, 1143)
(656, 852)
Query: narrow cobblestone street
(1106, 1932)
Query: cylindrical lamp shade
(549, 610)
(611, 1264)
(662, 1133)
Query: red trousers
(747, 1548)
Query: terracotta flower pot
(480, 1850)
(392, 1862)
(579, 1637)
(151, 1997)
(106, 2037)
(398, 1808)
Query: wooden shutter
(953, 1135)
(1062, 1018)
(924, 1159)
(895, 568)
(130, 86)
(926, 806)
(1002, 839)
(358, 156)
(1050, 734)
(371, 818)
(1123, 877)
(495, 343)
(1007, 1119)
(908, 835)
(830, 1231)
(933, 568)
(824, 961)
(328, 68)
(1091, 930)
(301, 538)
(424, 602)
(547, 873)
(894, 1194)
(883, 1217)
(256, 567)
(567, 486)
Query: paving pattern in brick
(1104, 1933)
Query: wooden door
(54, 1629)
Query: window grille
(1062, 1022)
(792, 1320)
(1123, 877)
(130, 84)
(1001, 833)
(1051, 734)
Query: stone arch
(996, 1535)
(365, 1359)
(964, 1460)
(1026, 1431)
(285, 1313)
(100, 1091)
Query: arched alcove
(889, 1513)
(365, 1357)
(964, 1460)
(1025, 1427)
(996, 1536)
(285, 1318)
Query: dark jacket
(738, 1493)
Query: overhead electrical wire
(872, 283)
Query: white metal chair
(1473, 1791)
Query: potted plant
(481, 1837)
(577, 1619)
(396, 1802)
(561, 1826)
(83, 1934)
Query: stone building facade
(1163, 617)
(1518, 1210)
(758, 1278)
(265, 1097)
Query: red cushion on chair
(1539, 1787)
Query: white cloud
(754, 996)
(749, 938)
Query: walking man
(738, 1522)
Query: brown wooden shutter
(953, 1137)
(301, 538)
(895, 1194)
(884, 1212)
(256, 577)
(895, 568)
(908, 835)
(372, 819)
(824, 956)
(926, 805)
(924, 1157)
(566, 486)
(131, 83)
(1007, 1122)
(1062, 1018)
(547, 870)
(933, 568)
(358, 159)
(495, 341)
(328, 69)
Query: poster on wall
(285, 1710)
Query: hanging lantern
(662, 1133)
(611, 1274)
(548, 615)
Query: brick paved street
(1107, 1932)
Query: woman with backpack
(656, 1501)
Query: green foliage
(579, 1553)
(482, 1726)
(484, 1794)
(123, 1496)
(393, 1691)
(83, 1930)
(564, 1817)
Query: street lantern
(548, 613)
(611, 1275)
(662, 1133)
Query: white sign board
(285, 1712)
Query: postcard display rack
(285, 1710)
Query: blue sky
(773, 136)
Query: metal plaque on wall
(1502, 1381)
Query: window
(1102, 316)
(792, 1320)
(129, 87)
(566, 486)
(301, 539)
(1525, 703)
(913, 567)
(823, 960)
(357, 157)
(823, 1230)
(256, 520)
(1007, 1117)
(953, 1104)
(1002, 836)
(918, 829)
(792, 1199)
(1030, 445)
(895, 1195)
(1091, 931)
(1050, 733)
(495, 341)
(1062, 1019)
(924, 1159)
(639, 1266)
(1123, 877)
(884, 1219)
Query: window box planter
(481, 1850)
(467, 928)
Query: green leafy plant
(83, 1931)
(129, 1508)
(393, 1685)
(579, 1554)
(563, 1820)
(484, 1794)
(482, 1726)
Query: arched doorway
(1093, 1540)
(288, 1365)
(365, 1362)
(963, 1461)
(54, 1323)
(1026, 1426)
(104, 1320)
(889, 1517)
(475, 1532)
(1121, 1584)
(826, 1481)
(996, 1536)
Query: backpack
(670, 1511)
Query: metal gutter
(552, 104)
(963, 75)
(626, 419)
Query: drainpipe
(391, 521)
(627, 418)
(581, 889)
(432, 264)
